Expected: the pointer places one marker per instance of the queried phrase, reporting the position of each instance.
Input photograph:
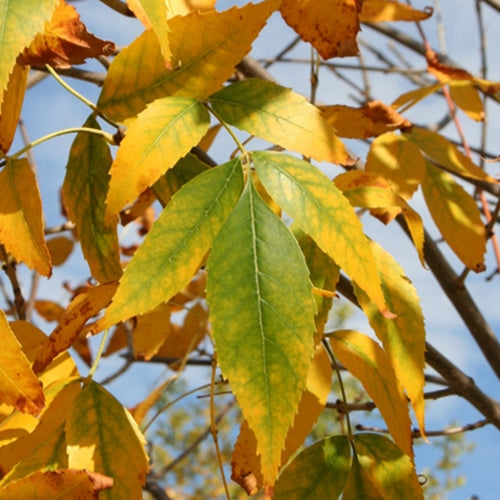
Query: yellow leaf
(375, 118)
(466, 97)
(49, 310)
(150, 331)
(11, 105)
(102, 437)
(280, 116)
(82, 308)
(245, 462)
(364, 358)
(397, 160)
(330, 25)
(31, 338)
(21, 21)
(445, 154)
(160, 136)
(21, 222)
(153, 14)
(368, 190)
(404, 336)
(376, 11)
(209, 44)
(19, 386)
(64, 484)
(457, 216)
(409, 99)
(43, 448)
(60, 249)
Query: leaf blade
(280, 116)
(174, 248)
(322, 211)
(273, 296)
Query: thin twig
(9, 267)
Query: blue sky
(49, 108)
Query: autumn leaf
(372, 119)
(20, 22)
(153, 14)
(369, 190)
(358, 485)
(389, 470)
(10, 109)
(409, 99)
(280, 116)
(376, 11)
(19, 386)
(21, 222)
(187, 168)
(209, 44)
(172, 251)
(266, 354)
(457, 216)
(162, 134)
(150, 331)
(63, 484)
(445, 154)
(322, 211)
(98, 432)
(319, 471)
(60, 249)
(403, 337)
(83, 307)
(331, 26)
(44, 448)
(245, 463)
(466, 97)
(366, 360)
(397, 160)
(64, 41)
(84, 192)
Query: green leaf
(320, 471)
(365, 359)
(207, 45)
(457, 217)
(103, 437)
(174, 248)
(403, 337)
(84, 193)
(20, 22)
(359, 486)
(262, 314)
(185, 169)
(280, 116)
(323, 212)
(162, 134)
(387, 467)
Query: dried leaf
(65, 41)
(375, 118)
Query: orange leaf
(82, 307)
(49, 310)
(21, 223)
(375, 118)
(150, 332)
(11, 105)
(443, 72)
(60, 249)
(65, 41)
(19, 386)
(375, 11)
(330, 26)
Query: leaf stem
(226, 126)
(106, 135)
(79, 96)
(350, 434)
(98, 355)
